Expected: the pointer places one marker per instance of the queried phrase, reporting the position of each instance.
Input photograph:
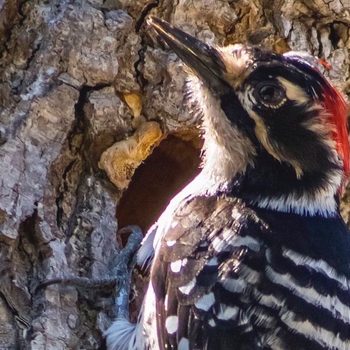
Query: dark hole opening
(172, 165)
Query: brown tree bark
(85, 97)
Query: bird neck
(223, 160)
(227, 152)
(274, 185)
(266, 183)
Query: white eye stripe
(250, 97)
(293, 91)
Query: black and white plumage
(253, 254)
(230, 276)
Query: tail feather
(121, 335)
(146, 251)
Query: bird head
(275, 128)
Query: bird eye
(270, 94)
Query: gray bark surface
(85, 96)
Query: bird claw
(122, 271)
(126, 261)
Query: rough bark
(79, 77)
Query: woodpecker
(253, 254)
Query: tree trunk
(85, 98)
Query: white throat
(226, 152)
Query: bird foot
(124, 266)
(121, 272)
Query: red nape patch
(336, 106)
(325, 64)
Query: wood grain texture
(64, 69)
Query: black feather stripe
(227, 340)
(306, 276)
(161, 334)
(317, 315)
(313, 236)
(293, 340)
(183, 313)
(197, 335)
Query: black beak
(204, 60)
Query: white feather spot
(175, 266)
(166, 302)
(227, 312)
(186, 289)
(205, 302)
(235, 214)
(211, 322)
(170, 243)
(219, 244)
(171, 324)
(184, 344)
